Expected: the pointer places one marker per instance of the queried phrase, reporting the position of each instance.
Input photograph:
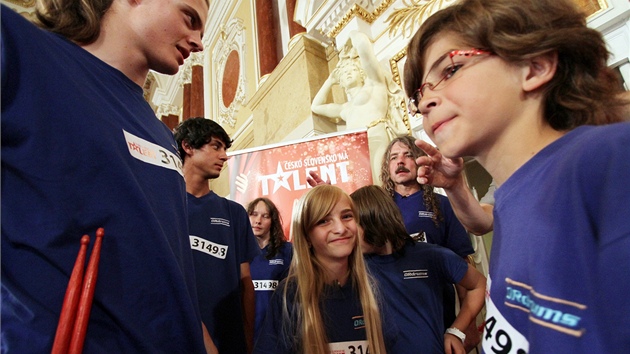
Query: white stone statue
(375, 101)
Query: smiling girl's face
(334, 236)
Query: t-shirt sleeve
(457, 238)
(452, 265)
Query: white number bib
(499, 336)
(265, 285)
(151, 153)
(352, 347)
(205, 246)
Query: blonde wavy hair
(306, 275)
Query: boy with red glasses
(537, 114)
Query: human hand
(453, 345)
(473, 337)
(314, 179)
(437, 170)
(241, 182)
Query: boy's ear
(187, 148)
(539, 71)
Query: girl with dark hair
(272, 265)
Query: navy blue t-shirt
(341, 312)
(221, 239)
(450, 233)
(82, 149)
(413, 287)
(558, 279)
(266, 274)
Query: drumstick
(70, 301)
(85, 304)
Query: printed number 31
(358, 350)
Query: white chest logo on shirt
(278, 261)
(425, 214)
(220, 221)
(151, 153)
(208, 247)
(415, 274)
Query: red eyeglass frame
(417, 95)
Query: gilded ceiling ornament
(413, 14)
(358, 11)
(408, 18)
(393, 65)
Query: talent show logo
(279, 172)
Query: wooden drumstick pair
(77, 302)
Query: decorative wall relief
(185, 74)
(147, 88)
(229, 72)
(168, 109)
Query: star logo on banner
(281, 179)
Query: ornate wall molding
(232, 38)
(167, 109)
(196, 59)
(147, 88)
(185, 74)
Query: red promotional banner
(278, 172)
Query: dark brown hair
(380, 218)
(276, 235)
